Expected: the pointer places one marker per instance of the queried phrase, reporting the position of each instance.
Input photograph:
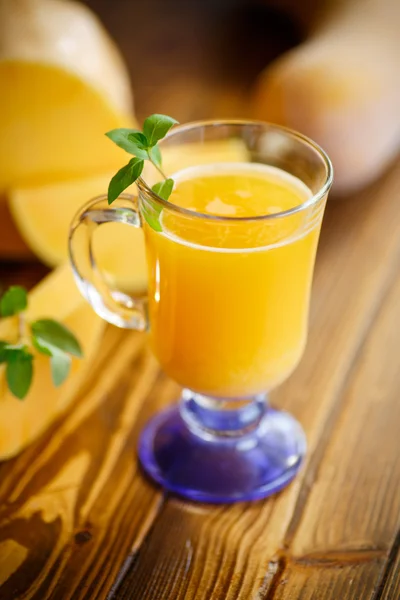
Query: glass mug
(226, 311)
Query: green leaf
(130, 140)
(152, 213)
(10, 351)
(50, 336)
(41, 347)
(13, 301)
(139, 141)
(164, 188)
(60, 366)
(19, 373)
(3, 351)
(152, 216)
(155, 156)
(124, 178)
(156, 127)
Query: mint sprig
(142, 145)
(47, 336)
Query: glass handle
(114, 306)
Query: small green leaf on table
(13, 301)
(19, 372)
(49, 336)
(60, 366)
(3, 351)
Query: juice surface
(237, 190)
(228, 300)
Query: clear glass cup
(226, 311)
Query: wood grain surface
(78, 520)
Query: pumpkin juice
(230, 278)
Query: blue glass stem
(218, 418)
(220, 450)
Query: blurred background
(198, 59)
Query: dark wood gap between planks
(391, 574)
(130, 559)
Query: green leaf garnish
(13, 301)
(156, 127)
(152, 212)
(126, 139)
(60, 367)
(140, 144)
(19, 373)
(152, 216)
(124, 178)
(3, 351)
(49, 336)
(164, 188)
(143, 145)
(155, 156)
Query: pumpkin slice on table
(22, 421)
(63, 85)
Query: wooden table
(79, 521)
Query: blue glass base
(206, 466)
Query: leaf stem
(163, 175)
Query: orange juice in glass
(235, 323)
(230, 260)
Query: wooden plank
(361, 466)
(353, 510)
(327, 582)
(198, 551)
(234, 552)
